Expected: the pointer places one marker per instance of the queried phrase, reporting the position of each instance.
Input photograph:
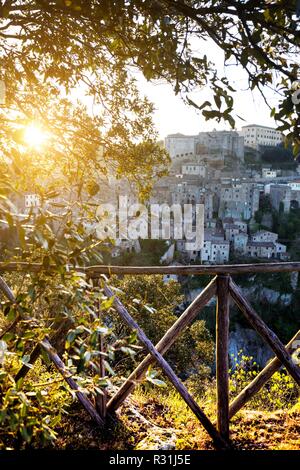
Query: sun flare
(34, 136)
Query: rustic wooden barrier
(259, 381)
(101, 398)
(224, 288)
(163, 345)
(222, 366)
(213, 269)
(265, 332)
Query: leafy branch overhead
(97, 42)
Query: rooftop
(261, 244)
(257, 125)
(260, 232)
(232, 226)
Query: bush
(200, 383)
(153, 304)
(280, 392)
(45, 305)
(25, 415)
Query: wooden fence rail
(96, 271)
(224, 288)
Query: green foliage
(68, 305)
(25, 415)
(258, 216)
(280, 392)
(287, 225)
(194, 282)
(200, 383)
(95, 42)
(91, 45)
(279, 157)
(153, 304)
(265, 203)
(150, 254)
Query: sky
(173, 115)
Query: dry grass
(146, 416)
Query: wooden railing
(224, 288)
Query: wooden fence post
(222, 338)
(101, 398)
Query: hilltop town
(247, 181)
(225, 171)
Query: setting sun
(34, 136)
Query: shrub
(279, 392)
(153, 304)
(25, 415)
(27, 412)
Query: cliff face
(248, 341)
(261, 294)
(257, 293)
(275, 298)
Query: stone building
(256, 135)
(222, 143)
(239, 200)
(280, 194)
(264, 236)
(240, 242)
(265, 250)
